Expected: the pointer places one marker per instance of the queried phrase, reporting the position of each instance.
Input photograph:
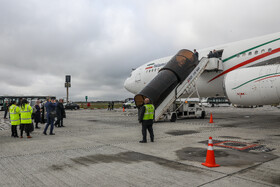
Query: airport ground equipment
(186, 109)
(175, 79)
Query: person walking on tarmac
(112, 105)
(50, 108)
(37, 114)
(6, 108)
(109, 106)
(25, 118)
(146, 117)
(60, 114)
(15, 118)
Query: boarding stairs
(187, 87)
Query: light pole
(67, 85)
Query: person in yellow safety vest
(146, 117)
(25, 118)
(15, 118)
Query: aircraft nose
(126, 84)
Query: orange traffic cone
(210, 157)
(123, 109)
(211, 119)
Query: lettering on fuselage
(159, 65)
(150, 66)
(240, 94)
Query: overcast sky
(98, 42)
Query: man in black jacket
(196, 53)
(6, 108)
(146, 117)
(215, 54)
(60, 113)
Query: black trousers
(5, 114)
(144, 131)
(43, 118)
(59, 122)
(26, 128)
(14, 130)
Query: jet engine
(254, 85)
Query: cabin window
(262, 51)
(256, 52)
(250, 53)
(269, 50)
(244, 54)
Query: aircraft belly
(209, 89)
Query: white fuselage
(261, 51)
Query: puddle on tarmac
(92, 120)
(232, 137)
(224, 157)
(228, 125)
(181, 132)
(127, 158)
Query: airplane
(247, 72)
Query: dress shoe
(29, 137)
(37, 127)
(52, 133)
(152, 140)
(44, 133)
(21, 136)
(62, 126)
(142, 141)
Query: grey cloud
(99, 42)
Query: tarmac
(101, 148)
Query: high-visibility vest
(14, 115)
(149, 112)
(25, 114)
